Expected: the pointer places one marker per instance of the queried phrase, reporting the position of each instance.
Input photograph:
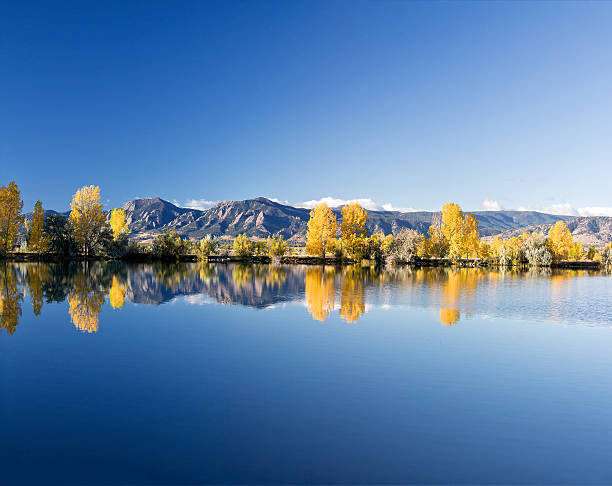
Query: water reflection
(10, 299)
(320, 292)
(347, 293)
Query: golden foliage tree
(320, 292)
(577, 251)
(118, 223)
(38, 241)
(87, 217)
(353, 229)
(435, 245)
(10, 216)
(471, 235)
(452, 229)
(322, 229)
(243, 247)
(206, 248)
(560, 241)
(277, 246)
(460, 233)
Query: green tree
(170, 246)
(206, 248)
(243, 247)
(277, 246)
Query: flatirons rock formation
(262, 217)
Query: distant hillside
(591, 230)
(261, 217)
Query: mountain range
(261, 217)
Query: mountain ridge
(261, 217)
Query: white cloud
(566, 209)
(278, 201)
(334, 202)
(595, 211)
(200, 204)
(489, 205)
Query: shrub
(404, 247)
(206, 247)
(606, 256)
(243, 247)
(535, 251)
(277, 246)
(170, 246)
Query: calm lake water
(228, 374)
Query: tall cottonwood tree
(87, 217)
(560, 241)
(460, 232)
(471, 235)
(452, 229)
(118, 223)
(10, 216)
(38, 240)
(353, 228)
(322, 229)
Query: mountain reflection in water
(347, 291)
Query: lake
(258, 374)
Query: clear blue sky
(412, 104)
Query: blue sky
(405, 104)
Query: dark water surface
(228, 374)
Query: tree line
(453, 235)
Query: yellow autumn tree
(10, 216)
(560, 241)
(435, 245)
(38, 240)
(243, 247)
(118, 223)
(471, 235)
(87, 217)
(461, 233)
(577, 251)
(452, 229)
(277, 246)
(322, 229)
(353, 229)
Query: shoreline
(294, 260)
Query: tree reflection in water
(116, 294)
(10, 298)
(456, 292)
(352, 296)
(37, 274)
(85, 302)
(320, 291)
